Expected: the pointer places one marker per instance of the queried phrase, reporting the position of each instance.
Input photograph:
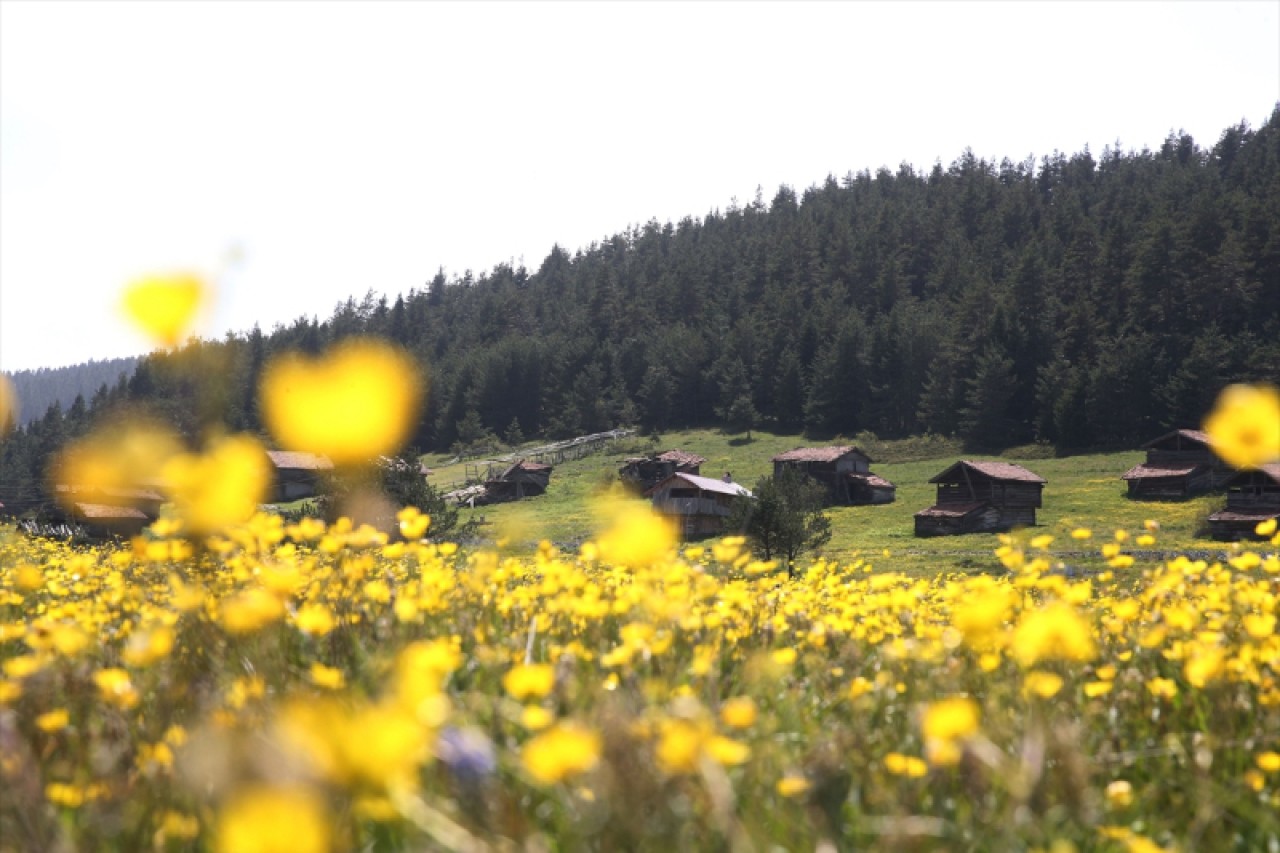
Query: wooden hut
(698, 505)
(522, 480)
(644, 472)
(295, 474)
(104, 520)
(981, 496)
(844, 471)
(1179, 464)
(1253, 496)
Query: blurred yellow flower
(1204, 665)
(146, 647)
(8, 406)
(251, 610)
(530, 681)
(680, 746)
(792, 785)
(1119, 794)
(1268, 761)
(1266, 528)
(413, 524)
(1043, 684)
(52, 721)
(1162, 688)
(1244, 426)
(536, 718)
(561, 753)
(115, 688)
(1054, 632)
(165, 306)
(264, 819)
(636, 536)
(327, 677)
(220, 487)
(905, 765)
(739, 713)
(357, 402)
(727, 751)
(950, 719)
(314, 619)
(115, 462)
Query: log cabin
(1253, 496)
(981, 496)
(844, 471)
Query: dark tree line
(1088, 301)
(41, 388)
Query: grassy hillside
(1082, 491)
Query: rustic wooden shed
(643, 472)
(843, 470)
(1179, 464)
(981, 496)
(296, 474)
(104, 520)
(1253, 496)
(698, 505)
(522, 480)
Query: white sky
(340, 147)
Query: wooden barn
(698, 505)
(1253, 496)
(106, 520)
(1179, 464)
(523, 479)
(295, 474)
(844, 471)
(644, 472)
(981, 496)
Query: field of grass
(1083, 491)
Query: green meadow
(1083, 491)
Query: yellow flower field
(297, 687)
(233, 683)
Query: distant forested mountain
(39, 389)
(1088, 300)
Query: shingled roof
(1190, 434)
(706, 484)
(818, 454)
(298, 460)
(1006, 471)
(1144, 472)
(681, 457)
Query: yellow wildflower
(1244, 425)
(53, 721)
(314, 619)
(357, 402)
(1054, 632)
(115, 687)
(739, 713)
(8, 406)
(1162, 688)
(1042, 684)
(792, 785)
(905, 765)
(220, 487)
(1268, 761)
(1119, 794)
(251, 611)
(561, 753)
(530, 681)
(327, 677)
(165, 306)
(273, 820)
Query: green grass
(1082, 491)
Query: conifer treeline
(41, 388)
(1087, 302)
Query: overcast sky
(333, 147)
